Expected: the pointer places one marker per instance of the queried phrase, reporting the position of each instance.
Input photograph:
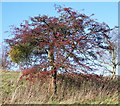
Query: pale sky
(13, 13)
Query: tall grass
(72, 89)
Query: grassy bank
(72, 89)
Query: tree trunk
(54, 74)
(54, 80)
(113, 64)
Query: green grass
(77, 90)
(8, 84)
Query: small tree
(112, 51)
(67, 43)
(4, 63)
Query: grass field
(71, 90)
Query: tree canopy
(72, 38)
(70, 42)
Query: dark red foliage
(66, 9)
(29, 71)
(72, 39)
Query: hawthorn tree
(67, 43)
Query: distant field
(77, 90)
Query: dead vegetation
(72, 89)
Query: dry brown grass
(73, 89)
